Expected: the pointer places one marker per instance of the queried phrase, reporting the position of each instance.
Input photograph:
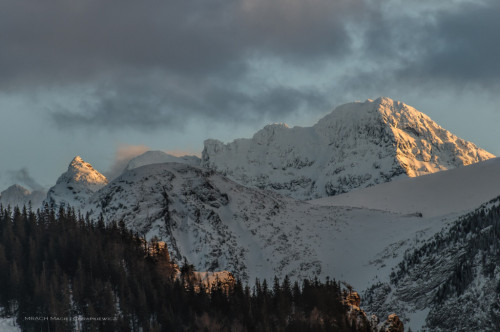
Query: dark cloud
(155, 63)
(152, 64)
(448, 48)
(171, 107)
(22, 177)
(462, 46)
(62, 41)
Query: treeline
(63, 272)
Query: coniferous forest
(60, 271)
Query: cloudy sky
(109, 79)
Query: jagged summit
(76, 185)
(422, 146)
(82, 172)
(358, 144)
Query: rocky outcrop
(392, 324)
(360, 319)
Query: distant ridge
(159, 157)
(17, 195)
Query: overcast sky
(107, 79)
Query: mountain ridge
(217, 224)
(357, 145)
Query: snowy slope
(357, 145)
(76, 185)
(455, 191)
(17, 195)
(217, 224)
(159, 157)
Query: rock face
(357, 145)
(17, 195)
(76, 185)
(392, 324)
(204, 218)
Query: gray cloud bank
(151, 64)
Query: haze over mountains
(243, 207)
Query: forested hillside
(454, 278)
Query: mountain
(76, 185)
(159, 157)
(216, 224)
(358, 145)
(17, 195)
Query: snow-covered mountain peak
(80, 171)
(76, 185)
(358, 144)
(381, 111)
(17, 195)
(15, 189)
(423, 146)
